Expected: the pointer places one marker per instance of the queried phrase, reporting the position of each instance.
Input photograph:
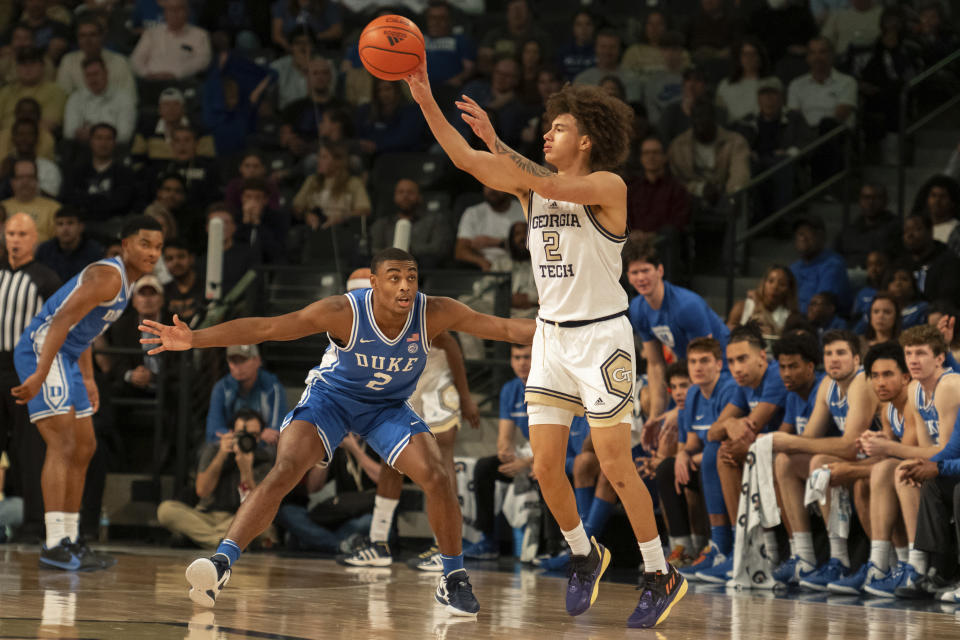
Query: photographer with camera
(228, 471)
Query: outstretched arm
(99, 284)
(331, 314)
(503, 168)
(447, 314)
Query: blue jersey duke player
(379, 339)
(54, 362)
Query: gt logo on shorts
(617, 371)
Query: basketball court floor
(144, 597)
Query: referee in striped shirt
(24, 286)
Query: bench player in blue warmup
(55, 364)
(379, 340)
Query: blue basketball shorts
(62, 391)
(387, 427)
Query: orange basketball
(391, 47)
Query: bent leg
(421, 461)
(884, 504)
(791, 471)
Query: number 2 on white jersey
(551, 246)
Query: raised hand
(474, 115)
(178, 337)
(419, 84)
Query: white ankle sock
(71, 526)
(838, 550)
(699, 542)
(803, 547)
(383, 509)
(56, 531)
(918, 559)
(880, 554)
(903, 554)
(578, 540)
(652, 553)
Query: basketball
(391, 47)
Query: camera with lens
(246, 441)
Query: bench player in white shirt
(583, 349)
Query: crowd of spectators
(260, 115)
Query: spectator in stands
(28, 109)
(712, 30)
(676, 116)
(531, 62)
(579, 54)
(252, 165)
(31, 83)
(232, 92)
(771, 305)
(773, 135)
(883, 320)
(243, 23)
(238, 258)
(933, 265)
(608, 49)
(818, 269)
(70, 250)
(23, 138)
(650, 55)
(21, 38)
(451, 57)
(134, 374)
(247, 386)
(664, 86)
(184, 295)
(51, 34)
(877, 267)
(301, 117)
(826, 98)
(324, 527)
(390, 123)
(499, 96)
(321, 17)
(96, 102)
(506, 40)
(822, 313)
(737, 93)
(153, 141)
(784, 27)
(937, 37)
(200, 175)
(172, 50)
(171, 197)
(90, 32)
(331, 195)
(525, 298)
(856, 25)
(225, 477)
(261, 227)
(891, 61)
(656, 201)
(876, 228)
(483, 235)
(431, 239)
(531, 145)
(902, 287)
(27, 199)
(292, 69)
(939, 198)
(691, 153)
(102, 186)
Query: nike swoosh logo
(362, 341)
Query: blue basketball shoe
(660, 591)
(853, 583)
(207, 577)
(585, 574)
(456, 592)
(885, 586)
(819, 578)
(63, 556)
(720, 572)
(706, 560)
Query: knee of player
(547, 472)
(616, 469)
(781, 464)
(818, 461)
(436, 479)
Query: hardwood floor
(144, 597)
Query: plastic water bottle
(104, 532)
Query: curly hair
(607, 121)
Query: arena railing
(741, 201)
(937, 71)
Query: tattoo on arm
(524, 164)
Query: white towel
(758, 510)
(838, 520)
